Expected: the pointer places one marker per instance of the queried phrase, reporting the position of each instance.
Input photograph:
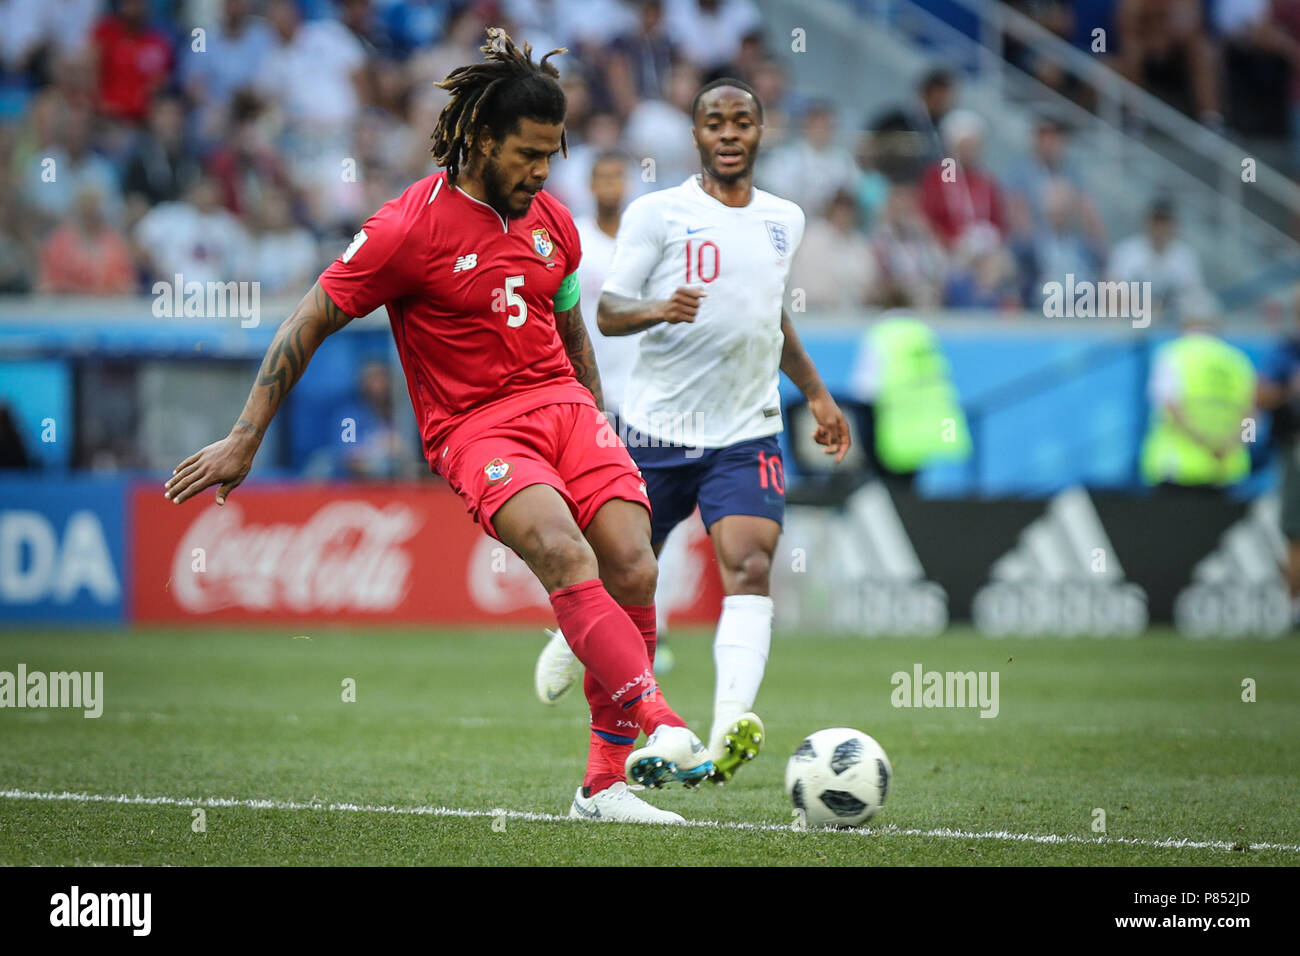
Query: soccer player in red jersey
(477, 268)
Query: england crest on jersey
(780, 236)
(542, 243)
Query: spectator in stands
(1279, 393)
(459, 45)
(86, 256)
(1286, 20)
(907, 136)
(1257, 63)
(18, 253)
(586, 27)
(1158, 256)
(1055, 16)
(1034, 177)
(982, 272)
(570, 177)
(413, 25)
(835, 267)
(375, 446)
(957, 193)
(812, 167)
(661, 129)
(313, 71)
(770, 84)
(282, 254)
(639, 60)
(134, 60)
(61, 167)
(1201, 388)
(871, 185)
(233, 54)
(709, 32)
(195, 238)
(247, 163)
(1165, 49)
(360, 19)
(161, 167)
(911, 262)
(33, 33)
(1060, 246)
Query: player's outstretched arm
(622, 315)
(582, 355)
(832, 428)
(226, 462)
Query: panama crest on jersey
(780, 236)
(497, 471)
(542, 243)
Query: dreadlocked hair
(495, 95)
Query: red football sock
(612, 649)
(612, 735)
(643, 616)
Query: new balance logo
(1238, 590)
(1062, 578)
(465, 263)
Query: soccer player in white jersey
(700, 269)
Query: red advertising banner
(356, 553)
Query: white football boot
(618, 804)
(670, 754)
(557, 669)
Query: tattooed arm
(226, 462)
(581, 353)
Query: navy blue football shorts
(747, 478)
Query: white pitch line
(426, 811)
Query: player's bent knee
(631, 575)
(754, 574)
(560, 557)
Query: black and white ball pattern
(838, 777)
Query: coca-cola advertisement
(404, 553)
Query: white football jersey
(615, 354)
(713, 382)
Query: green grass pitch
(1153, 731)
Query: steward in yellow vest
(1201, 391)
(903, 374)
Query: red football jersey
(470, 296)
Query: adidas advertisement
(1063, 577)
(869, 581)
(1079, 564)
(1236, 590)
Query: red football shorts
(569, 446)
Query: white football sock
(740, 651)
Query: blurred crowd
(248, 140)
(1231, 64)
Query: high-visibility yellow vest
(1218, 389)
(918, 415)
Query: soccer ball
(838, 777)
